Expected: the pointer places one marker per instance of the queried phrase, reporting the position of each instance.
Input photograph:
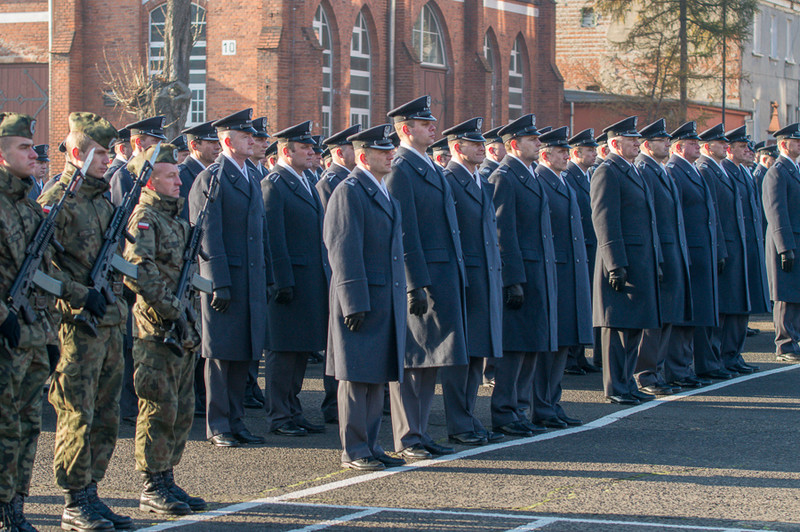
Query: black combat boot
(80, 515)
(121, 522)
(157, 497)
(195, 503)
(18, 509)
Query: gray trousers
(728, 339)
(619, 348)
(547, 384)
(653, 349)
(330, 385)
(786, 317)
(576, 357)
(597, 348)
(506, 394)
(360, 406)
(527, 374)
(706, 358)
(678, 362)
(411, 407)
(226, 381)
(460, 391)
(285, 372)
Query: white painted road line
(322, 525)
(352, 481)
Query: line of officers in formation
(523, 249)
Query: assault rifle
(29, 274)
(108, 258)
(190, 281)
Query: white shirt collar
(286, 165)
(718, 165)
(198, 161)
(424, 157)
(782, 156)
(120, 158)
(557, 174)
(523, 164)
(475, 175)
(380, 184)
(242, 169)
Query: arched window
(428, 39)
(515, 81)
(360, 74)
(197, 59)
(489, 54)
(323, 30)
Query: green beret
(95, 127)
(17, 125)
(168, 154)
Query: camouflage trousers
(85, 394)
(164, 384)
(23, 371)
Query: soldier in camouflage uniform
(85, 388)
(164, 343)
(23, 356)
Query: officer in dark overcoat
(122, 150)
(529, 275)
(781, 196)
(484, 292)
(367, 335)
(703, 241)
(734, 300)
(301, 271)
(583, 153)
(495, 151)
(574, 295)
(235, 257)
(735, 165)
(143, 134)
(342, 162)
(626, 295)
(435, 278)
(676, 295)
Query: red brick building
(332, 61)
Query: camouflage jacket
(19, 219)
(79, 228)
(161, 236)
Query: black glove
(284, 296)
(660, 274)
(617, 278)
(787, 260)
(514, 296)
(95, 303)
(355, 321)
(417, 302)
(221, 300)
(10, 329)
(720, 266)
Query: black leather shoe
(752, 332)
(571, 421)
(788, 357)
(468, 438)
(591, 368)
(533, 427)
(625, 399)
(749, 365)
(658, 389)
(252, 402)
(312, 428)
(390, 461)
(641, 396)
(688, 382)
(717, 374)
(438, 450)
(513, 429)
(364, 464)
(492, 436)
(574, 370)
(741, 369)
(223, 440)
(702, 381)
(551, 423)
(290, 428)
(245, 436)
(415, 452)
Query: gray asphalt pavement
(722, 458)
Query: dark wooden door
(434, 85)
(23, 89)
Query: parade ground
(722, 457)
